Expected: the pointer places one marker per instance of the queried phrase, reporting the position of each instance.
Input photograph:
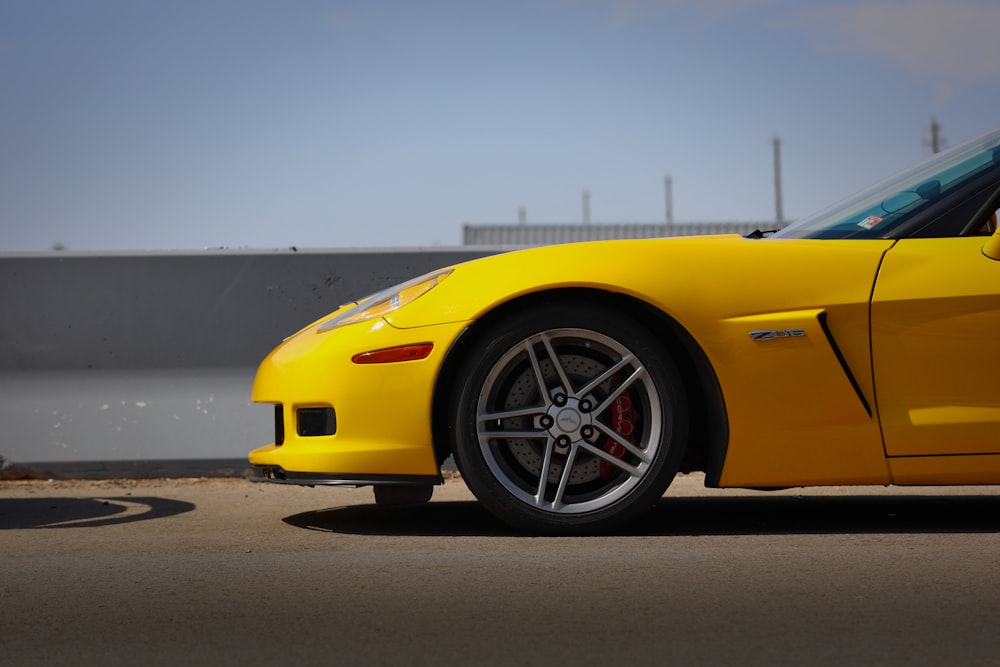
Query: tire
(609, 427)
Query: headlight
(382, 303)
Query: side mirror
(992, 247)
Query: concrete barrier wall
(141, 363)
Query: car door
(935, 321)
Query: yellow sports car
(571, 383)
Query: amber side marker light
(391, 355)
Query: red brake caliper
(623, 419)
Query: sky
(188, 124)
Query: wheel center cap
(568, 420)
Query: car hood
(715, 276)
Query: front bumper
(382, 432)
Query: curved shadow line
(690, 516)
(50, 513)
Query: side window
(962, 213)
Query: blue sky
(132, 124)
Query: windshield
(875, 212)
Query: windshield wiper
(758, 234)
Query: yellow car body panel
(935, 321)
(945, 470)
(386, 430)
(794, 415)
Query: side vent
(843, 362)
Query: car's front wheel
(569, 419)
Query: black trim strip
(279, 475)
(843, 362)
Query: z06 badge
(771, 334)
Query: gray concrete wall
(141, 363)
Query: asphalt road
(229, 572)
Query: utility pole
(586, 207)
(522, 216)
(668, 193)
(935, 141)
(779, 216)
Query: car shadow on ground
(690, 516)
(21, 513)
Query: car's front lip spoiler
(278, 475)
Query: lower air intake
(316, 421)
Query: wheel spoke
(539, 378)
(514, 435)
(617, 437)
(604, 377)
(543, 476)
(638, 373)
(508, 414)
(564, 478)
(556, 364)
(614, 460)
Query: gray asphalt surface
(228, 572)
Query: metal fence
(534, 235)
